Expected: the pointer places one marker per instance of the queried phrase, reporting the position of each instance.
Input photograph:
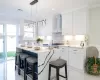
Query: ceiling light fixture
(33, 2)
(20, 10)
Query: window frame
(30, 32)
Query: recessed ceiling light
(20, 10)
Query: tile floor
(12, 74)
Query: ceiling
(9, 8)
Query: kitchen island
(44, 56)
(74, 56)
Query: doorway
(2, 43)
(7, 41)
(11, 41)
(2, 53)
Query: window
(1, 30)
(11, 37)
(29, 30)
(11, 30)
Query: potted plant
(39, 40)
(92, 66)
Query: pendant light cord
(31, 14)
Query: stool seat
(31, 60)
(58, 62)
(23, 56)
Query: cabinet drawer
(77, 50)
(76, 60)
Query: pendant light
(33, 2)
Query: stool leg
(19, 65)
(33, 71)
(25, 69)
(66, 71)
(22, 63)
(49, 75)
(15, 61)
(57, 73)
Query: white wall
(94, 26)
(46, 30)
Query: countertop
(42, 50)
(73, 46)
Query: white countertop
(42, 50)
(73, 46)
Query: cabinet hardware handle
(75, 50)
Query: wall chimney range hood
(33, 2)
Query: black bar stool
(17, 59)
(31, 64)
(22, 63)
(59, 63)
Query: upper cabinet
(67, 24)
(79, 22)
(74, 23)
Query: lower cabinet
(73, 56)
(64, 53)
(76, 59)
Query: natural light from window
(28, 31)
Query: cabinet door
(64, 53)
(79, 22)
(67, 24)
(76, 59)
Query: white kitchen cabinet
(67, 24)
(79, 22)
(76, 58)
(64, 53)
(75, 23)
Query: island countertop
(42, 50)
